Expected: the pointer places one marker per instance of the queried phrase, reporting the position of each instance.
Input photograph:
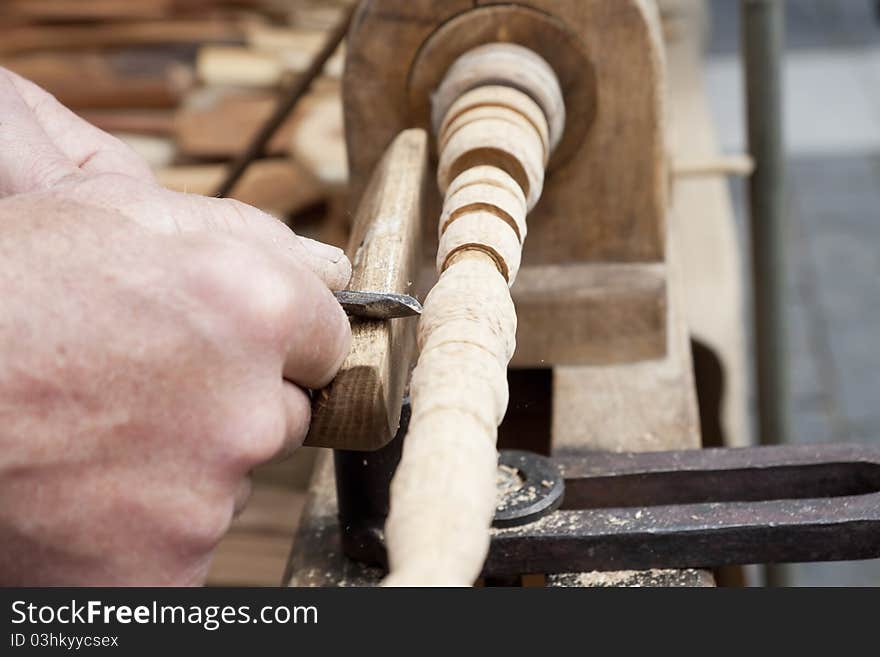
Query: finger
(273, 303)
(242, 495)
(297, 412)
(319, 335)
(193, 212)
(90, 149)
(176, 212)
(29, 160)
(328, 262)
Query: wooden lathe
(462, 117)
(602, 357)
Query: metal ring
(540, 492)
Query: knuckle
(111, 190)
(246, 288)
(336, 340)
(254, 436)
(189, 519)
(243, 213)
(269, 306)
(45, 174)
(207, 524)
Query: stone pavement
(832, 117)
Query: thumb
(171, 212)
(29, 160)
(194, 212)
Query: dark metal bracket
(702, 509)
(680, 509)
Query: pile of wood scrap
(187, 83)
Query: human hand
(154, 348)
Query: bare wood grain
(382, 44)
(277, 186)
(703, 212)
(360, 409)
(644, 406)
(223, 125)
(104, 81)
(590, 314)
(28, 38)
(608, 202)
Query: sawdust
(508, 482)
(523, 495)
(654, 577)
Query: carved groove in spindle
(495, 113)
(488, 175)
(506, 64)
(495, 157)
(481, 101)
(485, 197)
(482, 207)
(501, 95)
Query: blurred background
(188, 83)
(831, 114)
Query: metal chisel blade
(378, 305)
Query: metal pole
(762, 32)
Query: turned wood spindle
(497, 117)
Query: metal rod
(679, 509)
(363, 480)
(763, 36)
(301, 85)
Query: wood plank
(72, 10)
(317, 140)
(101, 81)
(381, 47)
(645, 406)
(316, 558)
(705, 224)
(249, 560)
(218, 123)
(278, 186)
(21, 39)
(296, 46)
(157, 152)
(591, 313)
(111, 10)
(360, 409)
(133, 121)
(238, 66)
(318, 14)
